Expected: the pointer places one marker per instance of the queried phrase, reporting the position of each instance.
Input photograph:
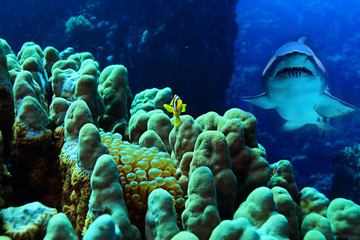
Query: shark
(295, 85)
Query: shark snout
(294, 72)
(294, 83)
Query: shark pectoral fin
(291, 126)
(330, 106)
(261, 100)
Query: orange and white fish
(176, 107)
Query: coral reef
(76, 78)
(261, 211)
(314, 221)
(344, 218)
(113, 175)
(151, 99)
(103, 228)
(32, 140)
(77, 160)
(282, 175)
(117, 97)
(31, 58)
(247, 160)
(51, 56)
(27, 222)
(147, 116)
(107, 196)
(312, 200)
(7, 116)
(32, 137)
(142, 170)
(161, 217)
(201, 214)
(59, 227)
(212, 151)
(234, 229)
(288, 208)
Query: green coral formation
(261, 211)
(115, 167)
(102, 228)
(160, 220)
(288, 208)
(76, 78)
(343, 215)
(107, 196)
(7, 115)
(201, 214)
(59, 227)
(31, 59)
(212, 151)
(117, 97)
(32, 136)
(151, 99)
(77, 160)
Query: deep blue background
(188, 46)
(332, 29)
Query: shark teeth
(294, 72)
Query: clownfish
(176, 107)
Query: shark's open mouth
(294, 72)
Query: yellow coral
(141, 170)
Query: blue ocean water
(333, 33)
(187, 45)
(195, 48)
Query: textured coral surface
(115, 167)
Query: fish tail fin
(177, 121)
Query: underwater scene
(180, 120)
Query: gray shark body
(294, 83)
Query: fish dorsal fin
(302, 40)
(330, 106)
